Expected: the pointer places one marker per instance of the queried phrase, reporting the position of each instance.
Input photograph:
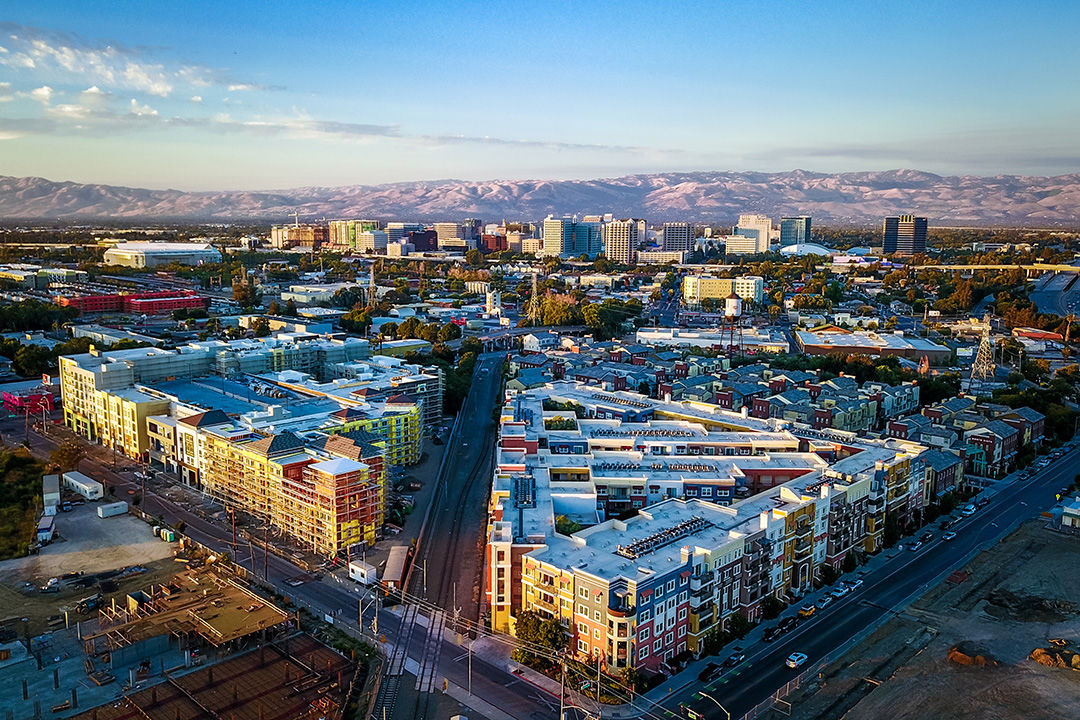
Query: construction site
(998, 640)
(200, 645)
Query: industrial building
(153, 254)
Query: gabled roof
(938, 460)
(205, 419)
(1027, 414)
(286, 441)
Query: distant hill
(856, 198)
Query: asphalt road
(884, 591)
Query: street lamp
(706, 695)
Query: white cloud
(67, 58)
(196, 98)
(140, 110)
(241, 86)
(42, 94)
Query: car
(296, 581)
(807, 610)
(824, 602)
(948, 536)
(944, 524)
(710, 672)
(915, 545)
(968, 510)
(771, 633)
(795, 660)
(839, 592)
(927, 537)
(734, 659)
(788, 624)
(853, 584)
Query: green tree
(474, 258)
(290, 308)
(261, 327)
(533, 630)
(274, 308)
(771, 607)
(67, 455)
(448, 332)
(247, 295)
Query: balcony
(802, 548)
(804, 530)
(697, 582)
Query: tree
(738, 625)
(448, 332)
(246, 294)
(533, 630)
(67, 455)
(771, 607)
(290, 309)
(474, 258)
(261, 327)
(274, 308)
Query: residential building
(756, 227)
(569, 237)
(741, 245)
(695, 288)
(371, 241)
(661, 257)
(904, 235)
(343, 234)
(621, 240)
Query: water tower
(732, 324)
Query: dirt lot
(90, 555)
(1018, 596)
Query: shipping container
(86, 486)
(362, 573)
(112, 509)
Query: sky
(229, 95)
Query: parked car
(853, 584)
(771, 633)
(948, 536)
(807, 610)
(914, 546)
(709, 673)
(927, 537)
(839, 591)
(968, 510)
(734, 659)
(825, 602)
(788, 624)
(795, 660)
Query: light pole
(706, 695)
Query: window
(596, 615)
(582, 646)
(584, 592)
(671, 585)
(683, 581)
(657, 645)
(682, 613)
(643, 653)
(660, 591)
(583, 628)
(643, 635)
(644, 615)
(596, 633)
(582, 610)
(682, 630)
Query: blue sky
(201, 95)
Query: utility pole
(470, 667)
(266, 559)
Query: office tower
(569, 237)
(447, 230)
(794, 230)
(758, 227)
(904, 234)
(371, 241)
(399, 230)
(621, 239)
(472, 228)
(678, 236)
(423, 240)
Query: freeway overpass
(1030, 268)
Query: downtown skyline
(205, 97)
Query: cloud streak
(66, 56)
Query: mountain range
(853, 198)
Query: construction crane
(295, 216)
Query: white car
(967, 510)
(795, 660)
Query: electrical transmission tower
(534, 309)
(982, 370)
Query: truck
(84, 485)
(112, 509)
(93, 602)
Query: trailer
(363, 573)
(45, 528)
(112, 509)
(50, 493)
(396, 565)
(84, 485)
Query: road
(885, 591)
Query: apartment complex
(621, 240)
(730, 510)
(695, 288)
(311, 237)
(344, 234)
(147, 303)
(904, 235)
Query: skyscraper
(678, 236)
(758, 227)
(904, 234)
(794, 230)
(569, 237)
(621, 240)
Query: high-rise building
(678, 236)
(758, 227)
(741, 245)
(904, 234)
(307, 236)
(696, 288)
(343, 233)
(447, 230)
(794, 230)
(569, 237)
(399, 230)
(472, 228)
(371, 241)
(621, 240)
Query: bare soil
(1019, 596)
